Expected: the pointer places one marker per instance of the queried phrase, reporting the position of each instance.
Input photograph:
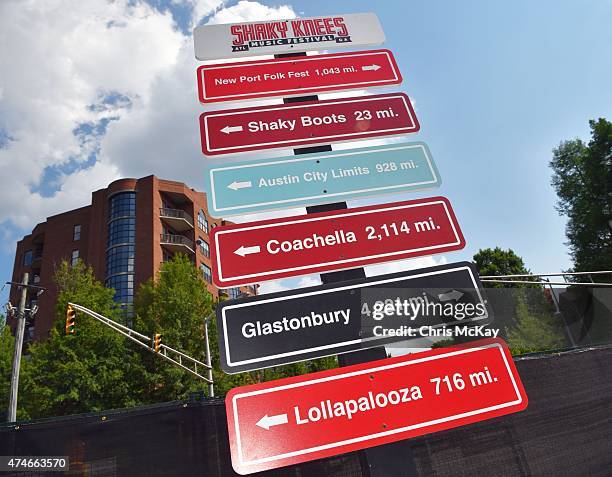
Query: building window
(122, 205)
(202, 222)
(121, 231)
(233, 293)
(27, 258)
(75, 257)
(120, 259)
(121, 249)
(76, 233)
(123, 286)
(204, 248)
(206, 273)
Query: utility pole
(12, 409)
(211, 387)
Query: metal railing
(536, 278)
(176, 214)
(177, 240)
(176, 357)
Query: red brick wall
(58, 245)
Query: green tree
(582, 178)
(536, 329)
(499, 262)
(7, 343)
(90, 371)
(175, 305)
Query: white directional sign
(287, 36)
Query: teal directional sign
(245, 187)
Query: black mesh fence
(566, 431)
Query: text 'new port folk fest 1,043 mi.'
(371, 403)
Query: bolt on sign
(318, 415)
(306, 123)
(287, 36)
(315, 243)
(297, 76)
(298, 325)
(308, 179)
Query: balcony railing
(176, 242)
(178, 219)
(175, 214)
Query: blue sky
(497, 85)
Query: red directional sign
(307, 123)
(318, 415)
(278, 248)
(297, 76)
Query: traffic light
(70, 320)
(157, 341)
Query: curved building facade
(121, 248)
(127, 232)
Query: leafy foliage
(500, 262)
(89, 371)
(175, 305)
(582, 178)
(537, 328)
(7, 343)
(98, 368)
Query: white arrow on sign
(454, 295)
(239, 185)
(244, 251)
(267, 422)
(231, 129)
(371, 67)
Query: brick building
(127, 232)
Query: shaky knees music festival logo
(287, 32)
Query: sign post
(360, 406)
(323, 414)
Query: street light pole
(12, 409)
(211, 387)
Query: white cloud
(402, 265)
(245, 11)
(309, 281)
(289, 284)
(60, 60)
(162, 136)
(272, 287)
